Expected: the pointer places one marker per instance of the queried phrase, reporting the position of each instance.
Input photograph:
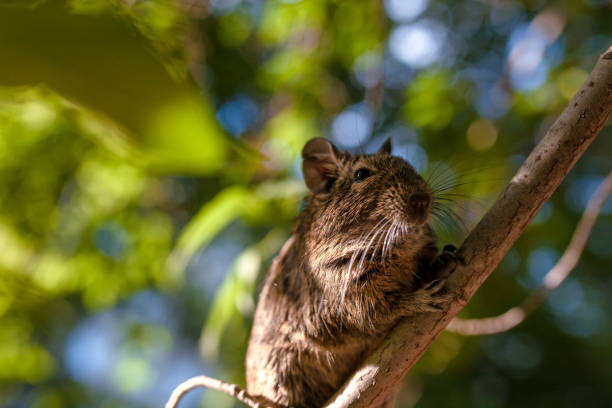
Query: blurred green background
(149, 171)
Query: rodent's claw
(449, 248)
(435, 286)
(445, 262)
(429, 298)
(450, 252)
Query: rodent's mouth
(420, 219)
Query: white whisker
(346, 278)
(388, 239)
(365, 252)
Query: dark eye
(362, 174)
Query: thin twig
(516, 315)
(204, 381)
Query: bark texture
(486, 245)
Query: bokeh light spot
(37, 115)
(544, 214)
(352, 127)
(566, 298)
(368, 69)
(542, 98)
(90, 350)
(52, 273)
(570, 80)
(539, 262)
(238, 114)
(132, 374)
(482, 134)
(417, 45)
(584, 320)
(413, 154)
(493, 101)
(528, 67)
(404, 10)
(224, 6)
(580, 191)
(111, 239)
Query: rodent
(358, 261)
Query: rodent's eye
(362, 174)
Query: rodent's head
(353, 192)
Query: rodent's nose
(419, 202)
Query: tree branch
(485, 246)
(553, 278)
(203, 381)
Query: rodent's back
(344, 278)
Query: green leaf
(215, 215)
(234, 299)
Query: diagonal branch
(516, 315)
(534, 183)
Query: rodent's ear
(385, 148)
(320, 164)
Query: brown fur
(345, 277)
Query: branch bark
(485, 246)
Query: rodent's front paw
(445, 263)
(430, 298)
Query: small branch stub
(204, 381)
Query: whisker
(365, 252)
(439, 224)
(378, 243)
(346, 279)
(436, 173)
(388, 239)
(450, 215)
(450, 186)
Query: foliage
(150, 171)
